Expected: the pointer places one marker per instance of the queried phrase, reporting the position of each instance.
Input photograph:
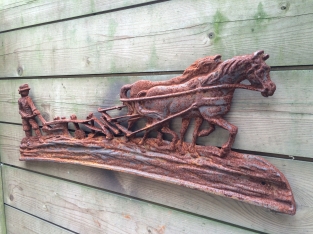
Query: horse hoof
(224, 152)
(172, 147)
(192, 149)
(109, 137)
(125, 139)
(180, 150)
(203, 133)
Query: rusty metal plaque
(204, 92)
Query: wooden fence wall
(76, 55)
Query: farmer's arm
(32, 106)
(21, 111)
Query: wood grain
(167, 36)
(16, 14)
(298, 174)
(154, 38)
(20, 222)
(2, 214)
(279, 124)
(87, 210)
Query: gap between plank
(96, 75)
(270, 155)
(123, 195)
(175, 72)
(87, 15)
(40, 218)
(5, 221)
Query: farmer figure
(28, 112)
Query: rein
(239, 86)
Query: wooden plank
(2, 214)
(278, 124)
(16, 14)
(298, 173)
(86, 210)
(152, 38)
(20, 222)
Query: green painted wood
(16, 14)
(87, 210)
(20, 222)
(298, 173)
(2, 214)
(279, 124)
(154, 38)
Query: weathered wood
(20, 222)
(298, 173)
(99, 46)
(87, 210)
(15, 14)
(282, 121)
(2, 214)
(153, 38)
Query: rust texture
(203, 92)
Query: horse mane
(254, 63)
(231, 71)
(231, 65)
(200, 67)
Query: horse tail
(123, 94)
(124, 90)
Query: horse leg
(232, 134)
(198, 122)
(184, 127)
(159, 137)
(149, 122)
(143, 139)
(166, 129)
(206, 132)
(130, 124)
(232, 129)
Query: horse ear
(217, 58)
(266, 56)
(258, 53)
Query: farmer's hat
(23, 88)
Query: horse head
(259, 74)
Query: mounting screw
(20, 71)
(283, 7)
(211, 35)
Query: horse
(200, 67)
(209, 95)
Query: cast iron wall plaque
(204, 92)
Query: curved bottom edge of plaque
(243, 177)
